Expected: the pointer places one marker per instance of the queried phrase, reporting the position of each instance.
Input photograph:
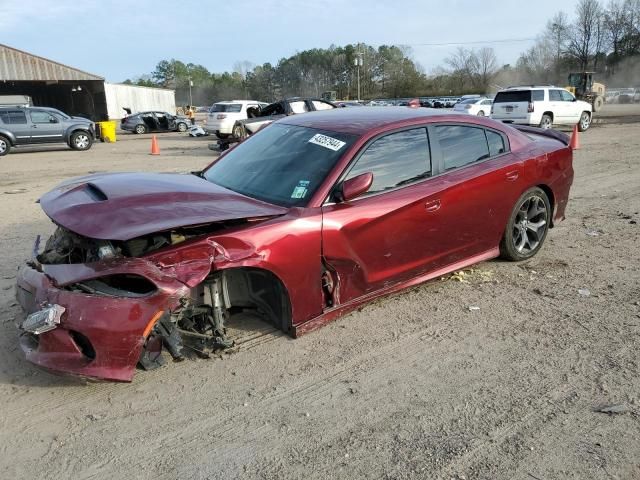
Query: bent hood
(122, 206)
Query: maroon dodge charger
(311, 217)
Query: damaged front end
(96, 308)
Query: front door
(390, 233)
(45, 127)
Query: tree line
(601, 38)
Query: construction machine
(582, 86)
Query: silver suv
(21, 126)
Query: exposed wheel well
(548, 113)
(8, 139)
(260, 289)
(552, 201)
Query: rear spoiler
(550, 133)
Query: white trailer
(137, 99)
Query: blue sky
(120, 39)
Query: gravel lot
(415, 385)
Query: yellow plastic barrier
(108, 131)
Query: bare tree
(556, 37)
(487, 66)
(586, 34)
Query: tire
(598, 102)
(5, 146)
(585, 122)
(80, 140)
(182, 127)
(239, 132)
(140, 129)
(527, 227)
(481, 113)
(546, 121)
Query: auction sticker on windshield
(327, 142)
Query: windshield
(225, 107)
(283, 164)
(470, 101)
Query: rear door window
(13, 117)
(512, 96)
(461, 145)
(395, 160)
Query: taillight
(221, 116)
(530, 109)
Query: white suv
(543, 106)
(223, 115)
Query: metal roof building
(71, 90)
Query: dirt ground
(415, 385)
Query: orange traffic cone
(155, 150)
(575, 140)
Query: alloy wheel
(585, 121)
(3, 146)
(82, 141)
(530, 225)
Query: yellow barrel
(108, 131)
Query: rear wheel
(585, 121)
(546, 121)
(481, 113)
(182, 127)
(5, 146)
(527, 227)
(239, 132)
(140, 129)
(80, 140)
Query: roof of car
(231, 102)
(361, 120)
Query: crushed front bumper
(97, 336)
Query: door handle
(511, 176)
(432, 205)
(34, 126)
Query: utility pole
(358, 62)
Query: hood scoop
(94, 192)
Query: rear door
(45, 127)
(16, 121)
(483, 180)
